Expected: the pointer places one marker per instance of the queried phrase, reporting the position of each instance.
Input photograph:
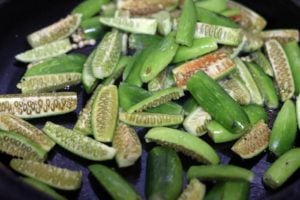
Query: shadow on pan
(19, 18)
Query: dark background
(18, 18)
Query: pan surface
(19, 18)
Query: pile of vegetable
(179, 69)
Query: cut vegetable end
(253, 142)
(127, 144)
(48, 83)
(282, 70)
(220, 173)
(194, 190)
(79, 144)
(46, 51)
(38, 105)
(107, 55)
(54, 176)
(59, 30)
(195, 123)
(105, 113)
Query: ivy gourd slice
(79, 144)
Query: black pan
(18, 18)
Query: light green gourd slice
(59, 30)
(57, 177)
(46, 51)
(107, 55)
(79, 144)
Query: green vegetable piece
(282, 70)
(146, 7)
(219, 172)
(162, 81)
(11, 123)
(28, 106)
(255, 113)
(48, 82)
(188, 144)
(249, 19)
(127, 144)
(237, 90)
(89, 81)
(298, 111)
(116, 186)
(132, 75)
(131, 25)
(150, 119)
(89, 8)
(293, 54)
(71, 63)
(43, 188)
(19, 146)
(158, 58)
(92, 28)
(253, 142)
(190, 105)
(56, 31)
(164, 22)
(187, 24)
(123, 62)
(164, 174)
(229, 190)
(195, 123)
(216, 64)
(284, 129)
(46, 51)
(141, 41)
(158, 98)
(220, 106)
(212, 5)
(249, 81)
(56, 177)
(199, 47)
(281, 35)
(79, 144)
(219, 134)
(195, 190)
(265, 85)
(222, 34)
(130, 95)
(105, 113)
(260, 59)
(282, 169)
(209, 17)
(84, 121)
(107, 55)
